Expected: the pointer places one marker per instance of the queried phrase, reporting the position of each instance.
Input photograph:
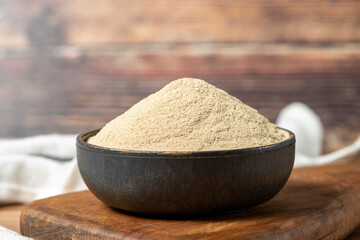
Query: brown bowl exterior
(185, 183)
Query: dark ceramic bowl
(185, 183)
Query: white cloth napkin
(7, 234)
(28, 170)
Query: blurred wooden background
(71, 66)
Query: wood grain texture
(160, 59)
(73, 89)
(63, 63)
(10, 216)
(317, 203)
(49, 22)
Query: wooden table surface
(10, 218)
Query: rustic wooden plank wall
(69, 66)
(139, 21)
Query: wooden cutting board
(316, 203)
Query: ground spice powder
(188, 115)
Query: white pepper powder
(188, 115)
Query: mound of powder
(188, 115)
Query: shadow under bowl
(185, 183)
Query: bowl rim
(81, 142)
